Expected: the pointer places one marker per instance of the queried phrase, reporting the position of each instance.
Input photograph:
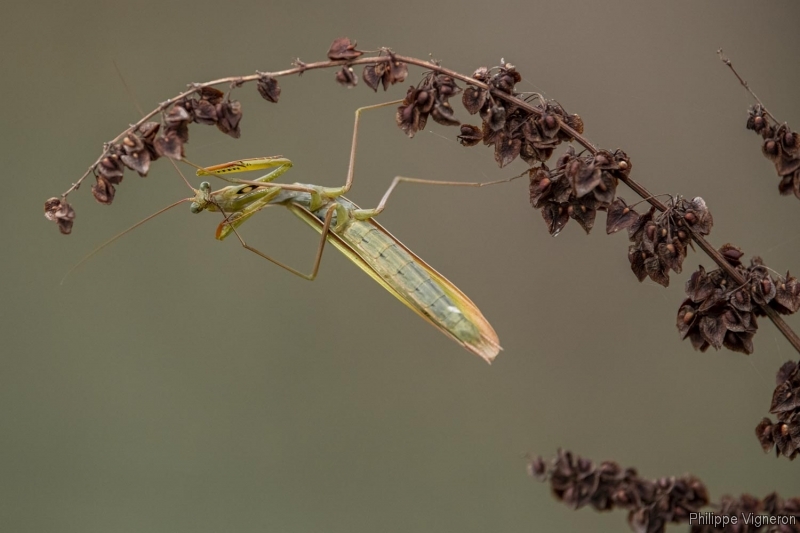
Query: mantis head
(202, 198)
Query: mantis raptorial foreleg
(317, 260)
(247, 165)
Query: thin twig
(744, 83)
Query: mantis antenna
(118, 235)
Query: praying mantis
(354, 232)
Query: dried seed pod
(372, 75)
(445, 86)
(576, 123)
(343, 49)
(548, 124)
(387, 73)
(789, 140)
(671, 254)
(408, 114)
(147, 133)
(346, 77)
(732, 254)
(620, 216)
(583, 211)
(398, 71)
(470, 135)
(756, 119)
(555, 216)
(787, 295)
(111, 166)
(205, 112)
(474, 99)
(177, 115)
(131, 144)
(59, 211)
(583, 177)
(481, 74)
(169, 144)
(212, 95)
(505, 79)
(494, 116)
(138, 161)
(506, 149)
(268, 88)
(606, 190)
(442, 113)
(229, 115)
(540, 184)
(103, 190)
(489, 135)
(786, 166)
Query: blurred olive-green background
(178, 384)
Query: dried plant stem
(744, 83)
(646, 195)
(301, 67)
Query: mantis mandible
(351, 230)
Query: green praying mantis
(353, 231)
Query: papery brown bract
(619, 216)
(757, 119)
(787, 295)
(555, 216)
(540, 182)
(229, 114)
(346, 77)
(386, 73)
(506, 149)
(583, 211)
(103, 190)
(59, 211)
(371, 77)
(470, 135)
(138, 161)
(211, 94)
(204, 112)
(494, 116)
(443, 114)
(408, 113)
(268, 88)
(135, 155)
(732, 254)
(343, 48)
(111, 166)
(473, 99)
(178, 115)
(169, 144)
(398, 71)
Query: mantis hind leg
(333, 192)
(364, 214)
